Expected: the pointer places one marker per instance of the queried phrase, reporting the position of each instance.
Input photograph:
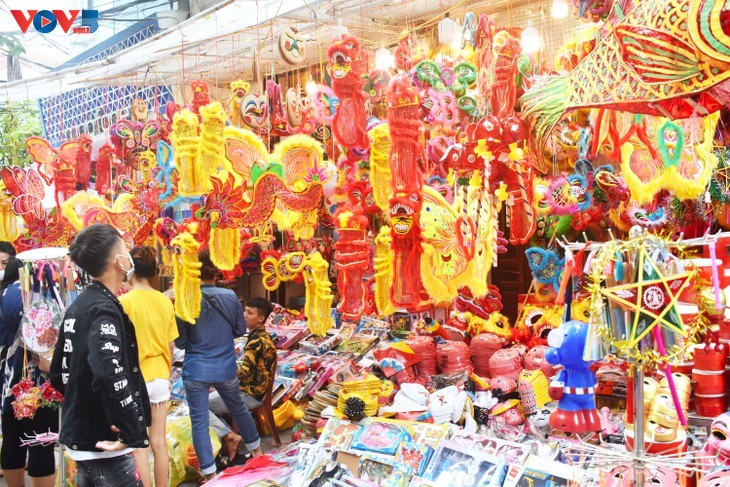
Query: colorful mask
(546, 266)
(255, 111)
(291, 45)
(131, 138)
(718, 443)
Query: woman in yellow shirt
(153, 316)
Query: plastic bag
(180, 446)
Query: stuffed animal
(574, 385)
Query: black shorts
(41, 459)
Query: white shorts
(158, 390)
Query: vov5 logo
(46, 21)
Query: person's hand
(111, 445)
(44, 363)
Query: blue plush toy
(574, 384)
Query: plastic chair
(265, 412)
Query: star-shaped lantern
(652, 299)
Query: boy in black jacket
(106, 409)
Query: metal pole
(61, 455)
(639, 452)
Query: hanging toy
(186, 284)
(352, 259)
(383, 267)
(380, 172)
(201, 95)
(325, 104)
(503, 95)
(185, 143)
(255, 112)
(634, 69)
(346, 68)
(406, 156)
(319, 297)
(291, 45)
(211, 149)
(239, 89)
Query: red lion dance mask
(352, 258)
(346, 69)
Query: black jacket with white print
(96, 367)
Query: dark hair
(145, 262)
(12, 272)
(92, 247)
(7, 247)
(263, 306)
(208, 270)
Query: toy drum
(709, 382)
(710, 405)
(506, 362)
(482, 347)
(712, 354)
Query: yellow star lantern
(652, 299)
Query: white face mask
(2, 274)
(127, 272)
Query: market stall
(499, 250)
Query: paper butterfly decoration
(546, 265)
(244, 150)
(28, 191)
(457, 247)
(48, 158)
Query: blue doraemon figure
(574, 385)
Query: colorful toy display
(482, 240)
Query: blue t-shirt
(210, 354)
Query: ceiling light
(311, 87)
(530, 40)
(560, 9)
(339, 30)
(384, 59)
(448, 30)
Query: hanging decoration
(346, 68)
(291, 45)
(635, 62)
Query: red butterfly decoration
(27, 189)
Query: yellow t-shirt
(153, 317)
